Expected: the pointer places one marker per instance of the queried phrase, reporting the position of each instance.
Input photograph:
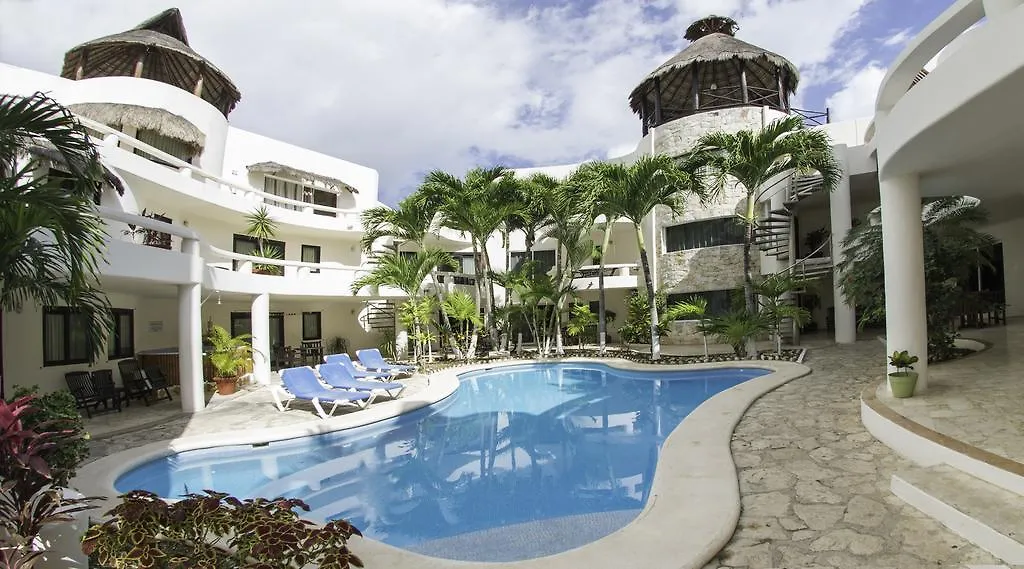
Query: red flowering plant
(28, 499)
(216, 531)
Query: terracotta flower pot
(226, 385)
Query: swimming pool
(521, 461)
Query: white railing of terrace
(610, 270)
(114, 137)
(188, 241)
(289, 268)
(942, 31)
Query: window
(175, 148)
(708, 233)
(719, 301)
(64, 336)
(311, 254)
(464, 265)
(121, 341)
(545, 260)
(298, 191)
(247, 245)
(311, 326)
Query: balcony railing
(619, 270)
(242, 263)
(113, 138)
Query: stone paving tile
(976, 399)
(815, 483)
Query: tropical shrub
(581, 322)
(953, 248)
(29, 498)
(57, 411)
(736, 328)
(636, 329)
(217, 531)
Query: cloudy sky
(406, 86)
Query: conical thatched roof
(166, 123)
(720, 59)
(325, 182)
(161, 45)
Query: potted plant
(902, 381)
(229, 357)
(263, 228)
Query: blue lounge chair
(302, 383)
(371, 359)
(336, 375)
(346, 361)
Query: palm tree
(771, 290)
(753, 159)
(588, 176)
(472, 205)
(411, 222)
(405, 272)
(463, 309)
(633, 192)
(695, 307)
(51, 237)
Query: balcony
(151, 164)
(615, 276)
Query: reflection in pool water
(566, 450)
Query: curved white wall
(149, 93)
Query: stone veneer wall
(709, 268)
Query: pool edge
(703, 477)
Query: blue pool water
(520, 462)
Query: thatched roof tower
(156, 49)
(715, 71)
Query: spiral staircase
(772, 234)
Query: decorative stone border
(928, 447)
(691, 513)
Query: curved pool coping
(692, 511)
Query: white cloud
(405, 86)
(899, 38)
(857, 97)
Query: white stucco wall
(245, 148)
(156, 326)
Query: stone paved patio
(815, 484)
(976, 399)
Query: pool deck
(813, 484)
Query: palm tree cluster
(491, 204)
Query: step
(988, 516)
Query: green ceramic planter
(902, 383)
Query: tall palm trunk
(445, 327)
(506, 331)
(492, 328)
(602, 322)
(748, 240)
(649, 282)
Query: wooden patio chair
(81, 386)
(157, 382)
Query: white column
(903, 248)
(996, 8)
(841, 220)
(190, 347)
(261, 338)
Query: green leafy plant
(216, 530)
(229, 355)
(776, 308)
(736, 329)
(29, 498)
(903, 362)
(58, 411)
(581, 321)
(462, 308)
(387, 344)
(693, 307)
(263, 227)
(636, 329)
(953, 249)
